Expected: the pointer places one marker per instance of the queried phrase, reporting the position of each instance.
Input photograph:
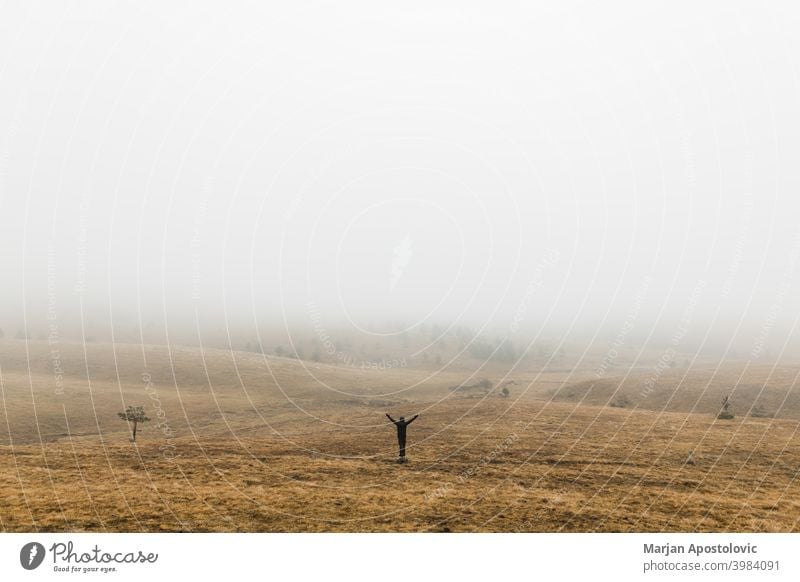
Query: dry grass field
(239, 442)
(759, 390)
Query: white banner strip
(387, 557)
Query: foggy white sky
(407, 161)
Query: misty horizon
(178, 188)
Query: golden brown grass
(550, 468)
(286, 456)
(753, 388)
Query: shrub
(133, 415)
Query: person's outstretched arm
(413, 418)
(390, 418)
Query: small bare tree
(134, 415)
(726, 413)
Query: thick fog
(569, 166)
